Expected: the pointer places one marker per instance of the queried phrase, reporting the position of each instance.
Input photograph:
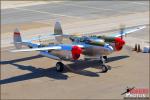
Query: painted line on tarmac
(140, 3)
(44, 12)
(106, 9)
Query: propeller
(119, 42)
(122, 28)
(39, 39)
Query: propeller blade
(122, 28)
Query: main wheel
(101, 62)
(59, 66)
(104, 69)
(105, 58)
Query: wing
(127, 31)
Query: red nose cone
(119, 43)
(76, 51)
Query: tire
(100, 61)
(106, 59)
(104, 69)
(59, 66)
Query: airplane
(85, 45)
(128, 90)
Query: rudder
(58, 32)
(17, 39)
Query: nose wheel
(104, 68)
(59, 66)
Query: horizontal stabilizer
(38, 49)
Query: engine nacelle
(76, 51)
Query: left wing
(126, 31)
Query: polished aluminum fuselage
(88, 50)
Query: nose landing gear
(104, 68)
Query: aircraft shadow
(116, 58)
(40, 72)
(21, 59)
(93, 63)
(80, 68)
(35, 73)
(77, 68)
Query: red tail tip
(16, 32)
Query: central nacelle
(96, 42)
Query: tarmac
(31, 76)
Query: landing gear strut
(102, 64)
(105, 57)
(59, 66)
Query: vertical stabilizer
(17, 39)
(58, 29)
(58, 32)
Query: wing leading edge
(127, 31)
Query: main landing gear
(102, 62)
(103, 59)
(59, 66)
